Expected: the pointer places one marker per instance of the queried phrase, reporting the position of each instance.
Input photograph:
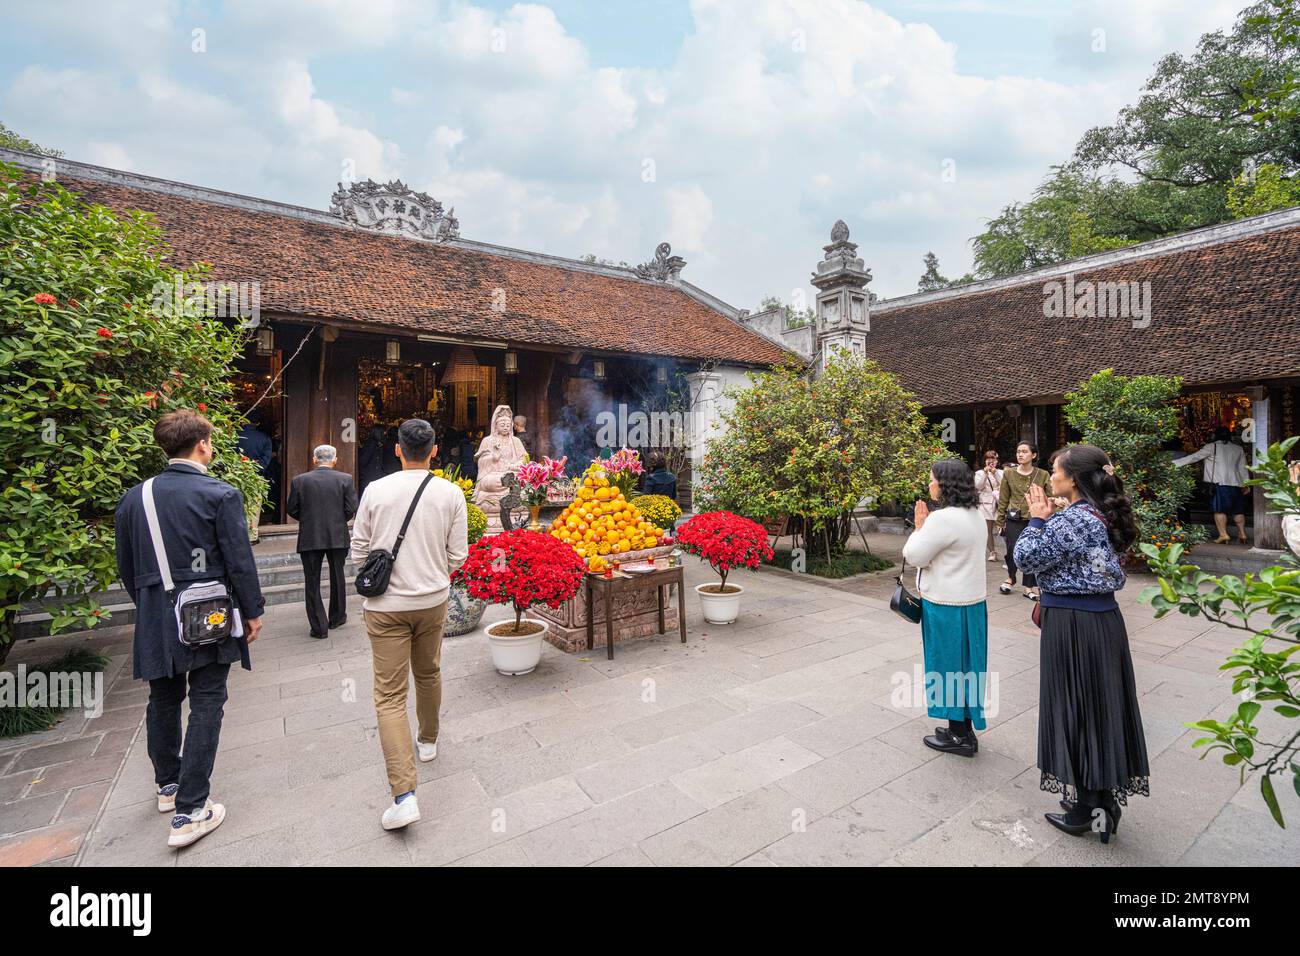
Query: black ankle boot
(969, 736)
(1112, 806)
(1079, 821)
(945, 742)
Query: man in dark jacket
(322, 500)
(205, 538)
(370, 458)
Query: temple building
(379, 310)
(992, 361)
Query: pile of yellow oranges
(601, 522)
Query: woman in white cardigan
(947, 549)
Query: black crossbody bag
(205, 611)
(372, 577)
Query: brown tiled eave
(1228, 312)
(333, 273)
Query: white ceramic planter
(516, 655)
(720, 608)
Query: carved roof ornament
(394, 208)
(841, 265)
(665, 267)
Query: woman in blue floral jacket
(1091, 746)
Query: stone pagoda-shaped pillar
(843, 302)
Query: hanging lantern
(512, 363)
(463, 367)
(661, 374)
(393, 352)
(264, 341)
(598, 370)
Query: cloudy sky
(737, 130)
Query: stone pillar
(843, 302)
(706, 407)
(1268, 523)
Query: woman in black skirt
(1091, 747)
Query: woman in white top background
(988, 484)
(948, 550)
(1225, 469)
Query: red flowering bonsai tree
(522, 568)
(725, 541)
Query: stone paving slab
(788, 738)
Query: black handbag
(903, 602)
(372, 576)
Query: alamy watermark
(212, 300)
(1098, 300)
(923, 688)
(632, 428)
(64, 690)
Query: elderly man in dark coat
(205, 538)
(323, 500)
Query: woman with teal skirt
(947, 549)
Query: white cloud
(775, 118)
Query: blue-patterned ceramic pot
(463, 612)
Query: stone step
(1220, 559)
(280, 577)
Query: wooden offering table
(636, 610)
(659, 579)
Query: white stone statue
(499, 453)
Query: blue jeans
(191, 769)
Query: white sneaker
(195, 826)
(401, 814)
(427, 751)
(167, 798)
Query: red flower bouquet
(725, 541)
(522, 568)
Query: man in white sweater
(405, 622)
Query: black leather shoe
(942, 731)
(319, 637)
(338, 623)
(947, 743)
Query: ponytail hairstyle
(1087, 466)
(956, 484)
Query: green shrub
(88, 370)
(19, 720)
(1131, 419)
(812, 449)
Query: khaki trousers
(402, 642)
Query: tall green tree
(1171, 160)
(94, 351)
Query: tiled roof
(1220, 313)
(322, 270)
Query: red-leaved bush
(725, 541)
(522, 568)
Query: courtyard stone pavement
(778, 740)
